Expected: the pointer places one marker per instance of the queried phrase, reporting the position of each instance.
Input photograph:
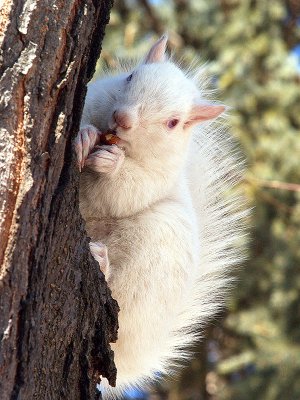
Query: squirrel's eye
(172, 123)
(128, 79)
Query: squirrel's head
(157, 105)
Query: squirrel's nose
(122, 119)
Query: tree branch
(294, 187)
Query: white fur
(172, 228)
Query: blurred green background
(252, 351)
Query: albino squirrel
(156, 208)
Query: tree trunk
(57, 316)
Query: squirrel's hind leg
(99, 252)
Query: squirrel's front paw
(85, 141)
(99, 252)
(107, 159)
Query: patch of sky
(295, 54)
(136, 394)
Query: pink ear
(203, 112)
(157, 51)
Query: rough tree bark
(56, 313)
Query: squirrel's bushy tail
(214, 170)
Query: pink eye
(172, 123)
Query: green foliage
(248, 44)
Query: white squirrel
(163, 229)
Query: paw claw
(85, 142)
(106, 159)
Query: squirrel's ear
(203, 112)
(157, 51)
